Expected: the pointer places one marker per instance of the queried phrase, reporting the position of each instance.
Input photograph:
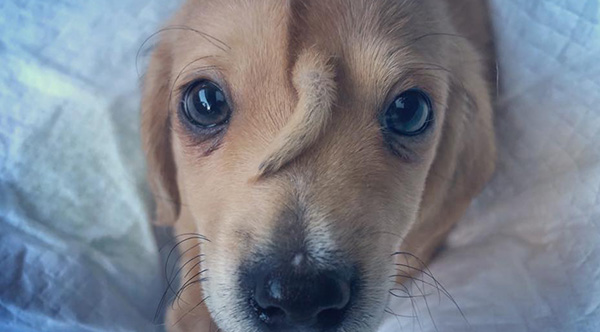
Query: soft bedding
(77, 253)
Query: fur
(307, 81)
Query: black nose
(288, 298)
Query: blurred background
(77, 252)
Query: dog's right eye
(204, 105)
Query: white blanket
(77, 253)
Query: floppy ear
(463, 164)
(156, 136)
(466, 155)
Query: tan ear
(466, 155)
(463, 164)
(156, 136)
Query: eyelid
(213, 75)
(393, 96)
(188, 76)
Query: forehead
(375, 36)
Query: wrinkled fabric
(76, 249)
(77, 252)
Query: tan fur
(306, 81)
(156, 138)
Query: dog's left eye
(204, 105)
(409, 114)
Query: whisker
(190, 235)
(194, 308)
(171, 281)
(428, 308)
(173, 249)
(413, 306)
(408, 296)
(202, 237)
(181, 255)
(423, 272)
(408, 276)
(389, 310)
(436, 283)
(181, 269)
(190, 282)
(193, 267)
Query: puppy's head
(298, 136)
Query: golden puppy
(307, 141)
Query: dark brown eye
(204, 105)
(409, 114)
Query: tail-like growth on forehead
(314, 80)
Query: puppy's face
(300, 138)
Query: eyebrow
(195, 68)
(314, 80)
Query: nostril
(330, 317)
(270, 314)
(274, 313)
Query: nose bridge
(340, 175)
(302, 236)
(325, 187)
(351, 147)
(289, 235)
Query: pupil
(207, 105)
(407, 107)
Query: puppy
(297, 145)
